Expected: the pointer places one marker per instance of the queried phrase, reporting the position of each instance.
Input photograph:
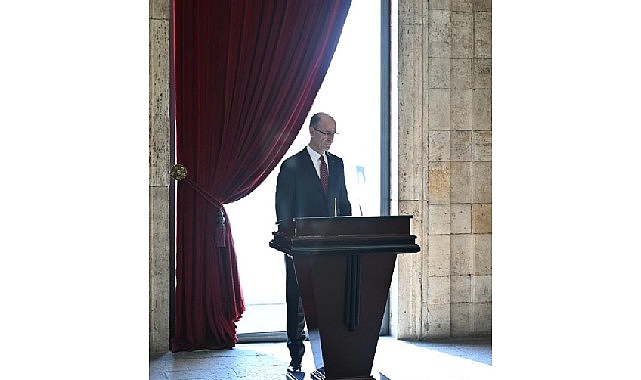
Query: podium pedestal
(344, 269)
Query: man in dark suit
(310, 183)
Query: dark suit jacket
(299, 192)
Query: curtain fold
(246, 73)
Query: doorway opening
(356, 93)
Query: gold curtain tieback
(178, 172)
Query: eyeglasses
(328, 134)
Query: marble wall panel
(438, 256)
(482, 72)
(462, 258)
(439, 146)
(481, 218)
(438, 109)
(439, 4)
(439, 219)
(461, 180)
(438, 72)
(483, 254)
(482, 318)
(462, 5)
(439, 183)
(410, 12)
(482, 146)
(462, 109)
(483, 34)
(439, 290)
(159, 269)
(482, 179)
(482, 5)
(438, 321)
(461, 218)
(461, 77)
(482, 109)
(461, 288)
(159, 9)
(438, 34)
(461, 145)
(482, 288)
(461, 319)
(410, 101)
(462, 35)
(159, 103)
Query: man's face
(322, 135)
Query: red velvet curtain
(246, 73)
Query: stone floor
(394, 360)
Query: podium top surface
(345, 234)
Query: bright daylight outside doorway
(351, 94)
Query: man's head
(322, 128)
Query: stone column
(444, 167)
(159, 162)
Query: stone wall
(159, 11)
(445, 168)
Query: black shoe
(319, 374)
(294, 373)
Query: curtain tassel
(221, 229)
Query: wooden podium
(344, 268)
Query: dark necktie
(323, 174)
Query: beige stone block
(483, 254)
(461, 218)
(159, 176)
(409, 295)
(482, 72)
(482, 318)
(159, 9)
(461, 180)
(482, 5)
(461, 260)
(159, 94)
(483, 34)
(410, 177)
(482, 174)
(481, 288)
(462, 35)
(461, 319)
(481, 218)
(461, 145)
(482, 146)
(482, 108)
(439, 183)
(438, 72)
(158, 269)
(438, 321)
(461, 77)
(410, 162)
(410, 102)
(438, 290)
(461, 288)
(438, 219)
(439, 146)
(439, 34)
(418, 223)
(462, 109)
(438, 263)
(462, 5)
(438, 4)
(438, 111)
(410, 12)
